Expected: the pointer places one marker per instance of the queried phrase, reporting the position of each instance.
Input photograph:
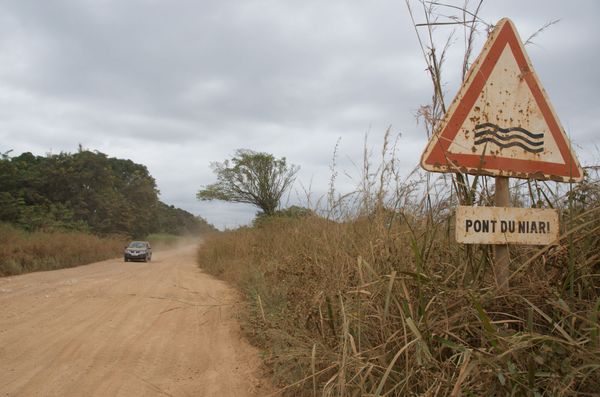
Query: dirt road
(111, 328)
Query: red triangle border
(437, 158)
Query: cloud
(177, 85)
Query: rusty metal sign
(501, 122)
(505, 225)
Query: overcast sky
(175, 85)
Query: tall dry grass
(376, 298)
(383, 301)
(22, 252)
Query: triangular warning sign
(501, 122)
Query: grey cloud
(176, 85)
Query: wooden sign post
(502, 259)
(502, 124)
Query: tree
(250, 177)
(87, 191)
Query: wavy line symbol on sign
(509, 137)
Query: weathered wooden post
(502, 259)
(502, 124)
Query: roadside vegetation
(70, 209)
(88, 192)
(371, 295)
(23, 251)
(380, 299)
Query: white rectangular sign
(505, 225)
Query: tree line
(87, 191)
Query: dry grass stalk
(22, 252)
(376, 297)
(378, 303)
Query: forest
(87, 191)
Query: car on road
(138, 251)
